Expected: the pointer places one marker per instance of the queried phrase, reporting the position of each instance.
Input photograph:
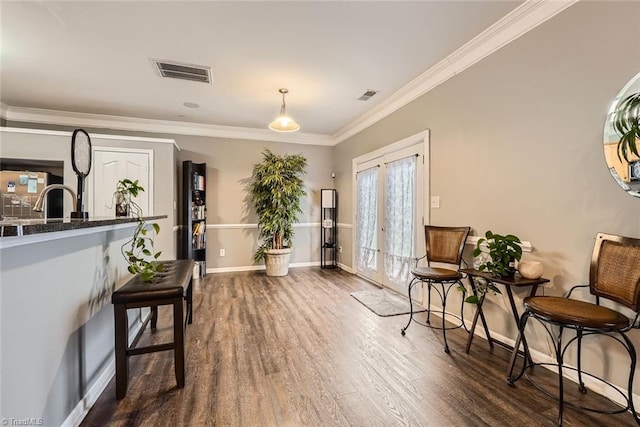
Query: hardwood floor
(300, 351)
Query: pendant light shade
(284, 122)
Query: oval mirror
(623, 163)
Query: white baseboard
(540, 357)
(589, 382)
(89, 399)
(258, 267)
(261, 267)
(86, 403)
(346, 268)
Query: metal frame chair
(614, 275)
(443, 245)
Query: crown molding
(522, 19)
(135, 124)
(93, 135)
(513, 25)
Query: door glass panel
(399, 223)
(367, 221)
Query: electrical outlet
(222, 252)
(435, 202)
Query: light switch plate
(435, 202)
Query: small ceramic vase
(530, 269)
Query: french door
(389, 194)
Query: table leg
(521, 338)
(154, 316)
(478, 313)
(514, 356)
(190, 302)
(121, 345)
(178, 341)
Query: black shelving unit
(194, 214)
(328, 230)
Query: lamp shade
(284, 122)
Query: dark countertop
(23, 227)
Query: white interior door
(113, 164)
(389, 215)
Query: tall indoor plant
(276, 188)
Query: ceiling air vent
(175, 70)
(368, 94)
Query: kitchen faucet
(40, 201)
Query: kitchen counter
(19, 232)
(56, 317)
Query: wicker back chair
(615, 269)
(443, 245)
(614, 275)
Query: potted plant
(626, 122)
(139, 247)
(126, 189)
(503, 252)
(276, 188)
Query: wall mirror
(626, 172)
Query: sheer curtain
(367, 220)
(399, 219)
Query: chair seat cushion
(436, 273)
(574, 312)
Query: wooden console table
(171, 287)
(514, 282)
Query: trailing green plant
(503, 251)
(276, 188)
(626, 122)
(138, 250)
(483, 287)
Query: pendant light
(284, 122)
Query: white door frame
(358, 162)
(126, 150)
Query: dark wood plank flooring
(300, 351)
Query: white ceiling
(95, 57)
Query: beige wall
(516, 147)
(229, 165)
